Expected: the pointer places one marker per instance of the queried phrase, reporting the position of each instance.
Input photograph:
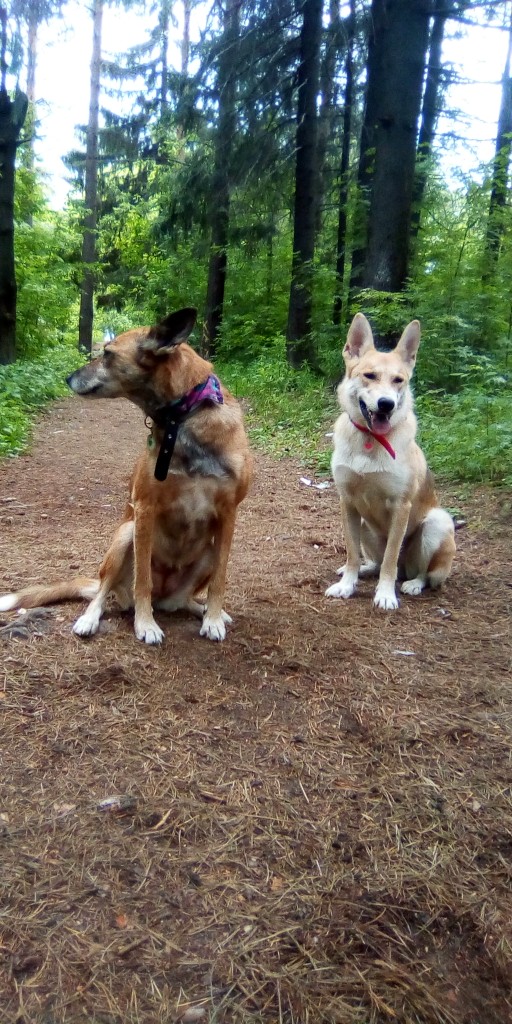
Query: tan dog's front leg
(215, 619)
(146, 628)
(351, 522)
(385, 596)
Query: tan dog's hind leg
(110, 571)
(430, 554)
(351, 522)
(215, 619)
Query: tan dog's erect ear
(409, 343)
(359, 338)
(171, 331)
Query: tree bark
(430, 109)
(327, 110)
(91, 189)
(165, 16)
(33, 26)
(299, 343)
(221, 182)
(185, 39)
(341, 243)
(500, 172)
(396, 64)
(12, 117)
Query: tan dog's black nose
(385, 405)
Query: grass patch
(25, 387)
(465, 436)
(468, 436)
(289, 411)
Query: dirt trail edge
(311, 822)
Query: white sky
(64, 69)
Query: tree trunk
(341, 243)
(430, 109)
(326, 113)
(500, 172)
(32, 55)
(185, 39)
(221, 182)
(12, 118)
(165, 15)
(91, 189)
(396, 65)
(299, 343)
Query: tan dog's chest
(375, 496)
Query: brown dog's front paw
(149, 632)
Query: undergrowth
(288, 412)
(25, 387)
(466, 436)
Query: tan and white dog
(389, 508)
(175, 537)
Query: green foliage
(44, 245)
(27, 386)
(289, 412)
(468, 436)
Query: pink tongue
(380, 426)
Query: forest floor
(311, 822)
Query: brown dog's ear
(171, 331)
(359, 338)
(409, 343)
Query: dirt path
(316, 815)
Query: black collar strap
(170, 417)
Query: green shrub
(289, 411)
(27, 386)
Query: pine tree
(91, 188)
(299, 343)
(399, 33)
(12, 117)
(221, 181)
(500, 170)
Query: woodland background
(285, 175)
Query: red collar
(378, 437)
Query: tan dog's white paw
(386, 598)
(413, 587)
(345, 588)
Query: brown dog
(175, 538)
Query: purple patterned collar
(170, 417)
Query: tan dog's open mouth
(378, 422)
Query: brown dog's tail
(81, 587)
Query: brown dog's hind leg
(196, 579)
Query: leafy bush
(46, 248)
(289, 411)
(25, 387)
(466, 436)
